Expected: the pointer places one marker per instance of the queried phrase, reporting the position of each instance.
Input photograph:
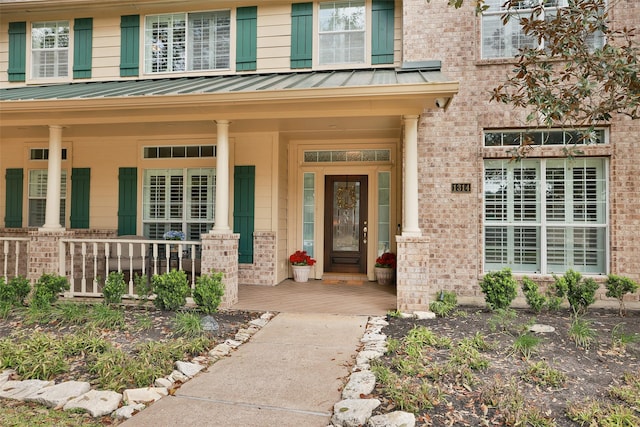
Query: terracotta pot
(301, 272)
(384, 276)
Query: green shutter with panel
(246, 38)
(80, 197)
(382, 17)
(129, 45)
(127, 201)
(13, 198)
(17, 51)
(82, 47)
(244, 186)
(301, 35)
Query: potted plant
(385, 268)
(173, 235)
(301, 264)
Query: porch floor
(335, 294)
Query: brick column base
(263, 269)
(412, 275)
(220, 254)
(44, 253)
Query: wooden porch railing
(15, 254)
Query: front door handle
(364, 233)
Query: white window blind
(38, 196)
(342, 27)
(50, 49)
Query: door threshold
(344, 278)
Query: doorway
(346, 223)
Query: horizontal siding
(4, 53)
(274, 38)
(106, 48)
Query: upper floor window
(187, 42)
(342, 26)
(50, 49)
(504, 40)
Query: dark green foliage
(114, 288)
(445, 303)
(579, 292)
(143, 287)
(535, 299)
(15, 291)
(47, 289)
(208, 292)
(171, 290)
(618, 287)
(499, 288)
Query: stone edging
(72, 395)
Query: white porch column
(410, 225)
(54, 173)
(222, 179)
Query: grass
(542, 374)
(19, 414)
(525, 345)
(582, 333)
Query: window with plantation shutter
(50, 49)
(38, 196)
(545, 216)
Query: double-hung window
(179, 200)
(505, 40)
(187, 42)
(342, 27)
(545, 215)
(38, 196)
(50, 49)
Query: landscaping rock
(542, 329)
(59, 394)
(177, 376)
(365, 356)
(233, 343)
(378, 321)
(6, 376)
(18, 390)
(220, 350)
(144, 395)
(360, 383)
(260, 322)
(353, 412)
(393, 419)
(189, 369)
(371, 337)
(128, 411)
(96, 403)
(163, 382)
(424, 315)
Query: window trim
(69, 49)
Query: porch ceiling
(261, 100)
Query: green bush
(208, 292)
(499, 288)
(114, 288)
(445, 303)
(618, 287)
(580, 293)
(535, 299)
(47, 289)
(15, 291)
(171, 289)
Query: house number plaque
(461, 187)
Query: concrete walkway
(288, 374)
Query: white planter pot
(301, 272)
(384, 276)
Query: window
(187, 42)
(308, 214)
(43, 154)
(342, 32)
(505, 40)
(545, 216)
(178, 151)
(550, 137)
(50, 49)
(384, 212)
(38, 196)
(178, 199)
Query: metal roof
(228, 84)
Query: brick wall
(263, 269)
(220, 254)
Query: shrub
(499, 288)
(208, 292)
(47, 289)
(535, 299)
(618, 287)
(171, 290)
(143, 287)
(580, 293)
(15, 291)
(114, 288)
(445, 303)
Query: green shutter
(13, 205)
(382, 32)
(129, 45)
(127, 201)
(301, 35)
(17, 51)
(80, 190)
(82, 47)
(244, 186)
(246, 38)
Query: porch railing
(15, 254)
(87, 262)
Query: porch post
(54, 172)
(410, 226)
(221, 224)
